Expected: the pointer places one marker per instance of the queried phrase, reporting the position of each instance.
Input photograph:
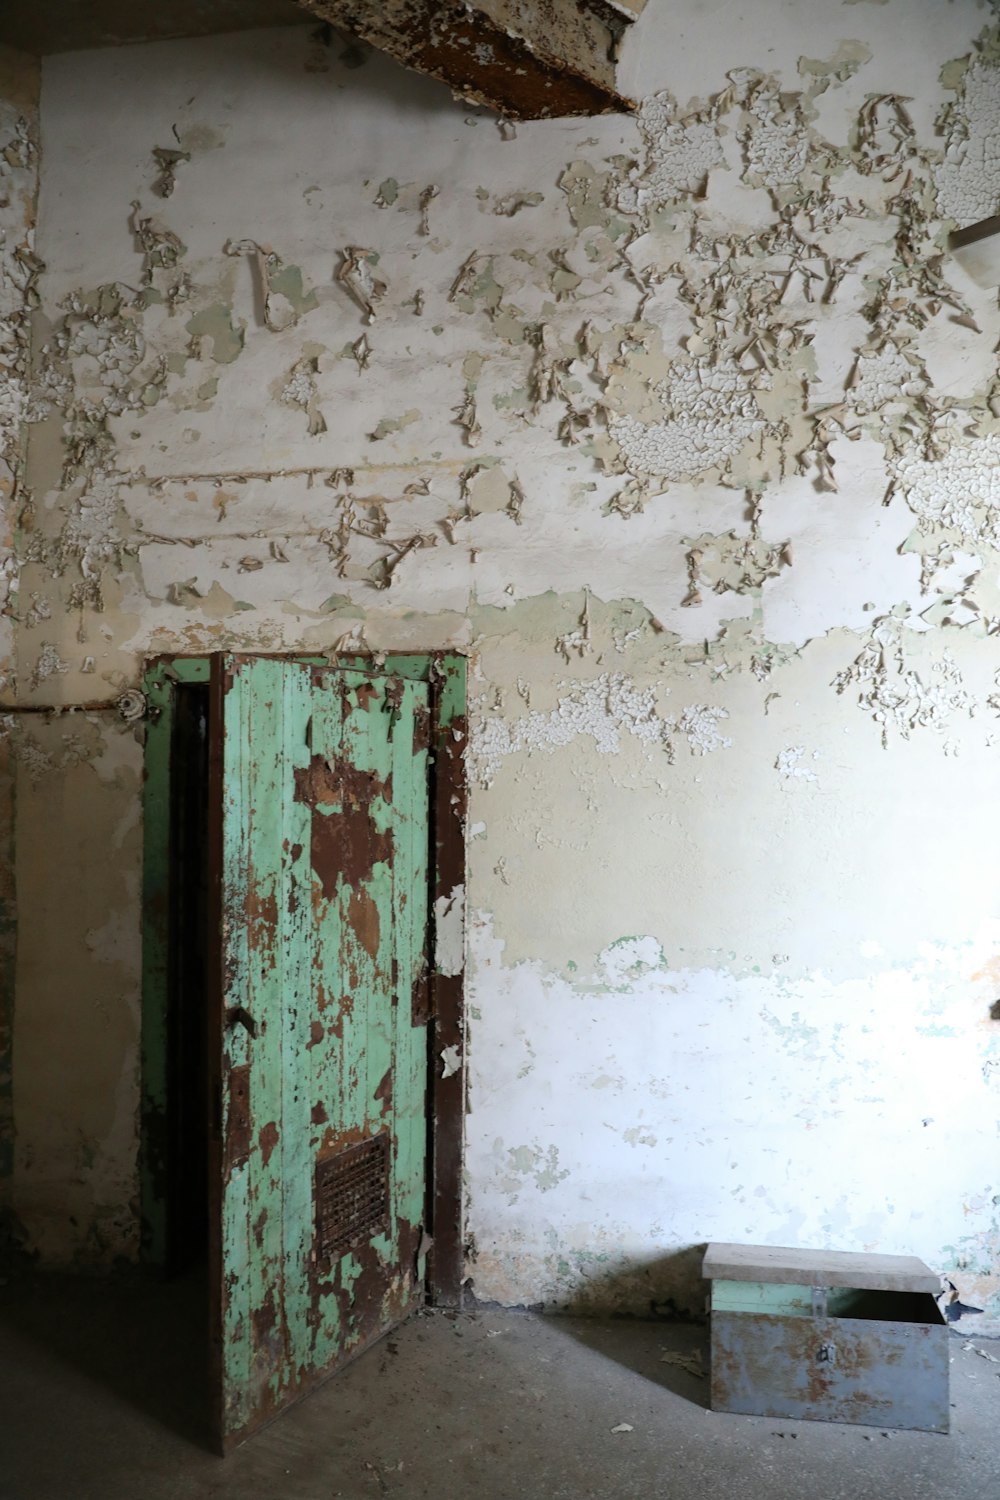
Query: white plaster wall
(689, 438)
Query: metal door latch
(238, 1015)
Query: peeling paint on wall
(601, 710)
(282, 298)
(686, 431)
(900, 697)
(19, 271)
(790, 767)
(968, 177)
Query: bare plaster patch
(449, 931)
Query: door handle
(238, 1015)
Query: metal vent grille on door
(352, 1196)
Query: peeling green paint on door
(323, 886)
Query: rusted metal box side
(874, 1371)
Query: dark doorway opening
(187, 991)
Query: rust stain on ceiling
(528, 59)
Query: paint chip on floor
(690, 1362)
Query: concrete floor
(98, 1401)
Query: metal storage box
(828, 1336)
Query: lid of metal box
(870, 1273)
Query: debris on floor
(974, 1348)
(690, 1362)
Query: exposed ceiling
(528, 59)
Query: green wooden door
(320, 880)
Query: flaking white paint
(684, 428)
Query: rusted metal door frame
(445, 674)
